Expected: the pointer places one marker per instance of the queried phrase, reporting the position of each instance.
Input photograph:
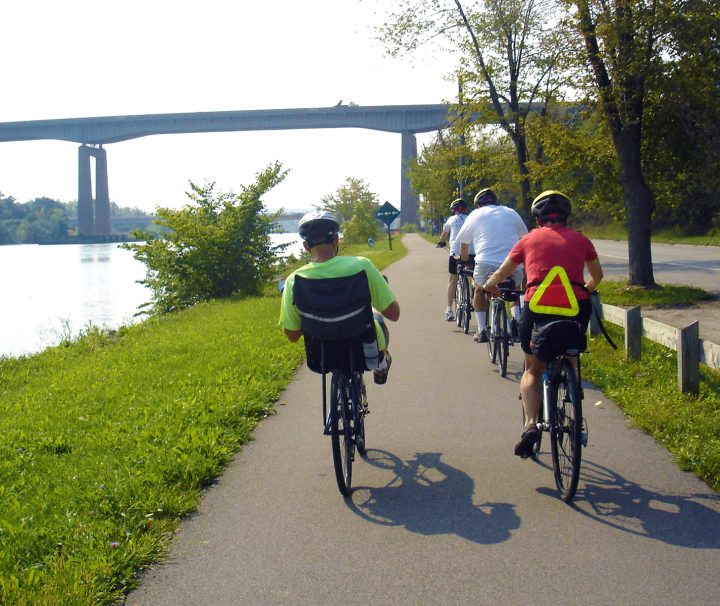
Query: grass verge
(646, 390)
(107, 443)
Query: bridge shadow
(429, 497)
(684, 520)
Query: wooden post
(688, 350)
(633, 333)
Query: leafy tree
(509, 64)
(216, 246)
(622, 39)
(363, 224)
(342, 203)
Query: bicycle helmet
(318, 227)
(552, 204)
(458, 204)
(485, 196)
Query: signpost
(387, 213)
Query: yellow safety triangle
(555, 295)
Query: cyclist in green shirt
(319, 231)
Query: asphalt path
(442, 512)
(672, 263)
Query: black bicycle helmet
(552, 204)
(458, 203)
(485, 196)
(318, 227)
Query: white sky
(78, 58)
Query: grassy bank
(107, 443)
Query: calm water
(51, 292)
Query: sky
(82, 58)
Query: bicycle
(464, 295)
(497, 327)
(340, 339)
(561, 416)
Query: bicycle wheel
(459, 301)
(341, 430)
(467, 306)
(361, 408)
(502, 338)
(566, 430)
(490, 331)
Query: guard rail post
(688, 355)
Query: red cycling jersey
(547, 247)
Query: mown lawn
(107, 443)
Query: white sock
(481, 317)
(449, 308)
(383, 364)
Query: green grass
(617, 292)
(646, 389)
(107, 443)
(618, 232)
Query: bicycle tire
(458, 301)
(502, 338)
(467, 306)
(566, 430)
(361, 408)
(489, 331)
(341, 430)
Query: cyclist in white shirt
(490, 230)
(458, 208)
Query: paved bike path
(442, 512)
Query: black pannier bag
(336, 318)
(552, 339)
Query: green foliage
(36, 222)
(354, 205)
(214, 247)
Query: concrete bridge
(93, 133)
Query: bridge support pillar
(408, 198)
(93, 213)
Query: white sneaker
(481, 336)
(449, 315)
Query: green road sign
(387, 213)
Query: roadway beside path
(442, 512)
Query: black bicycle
(497, 327)
(464, 295)
(561, 415)
(338, 327)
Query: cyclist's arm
(444, 236)
(464, 251)
(392, 311)
(596, 274)
(504, 271)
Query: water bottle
(372, 354)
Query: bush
(214, 247)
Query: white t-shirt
(452, 226)
(491, 231)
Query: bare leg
(531, 389)
(452, 285)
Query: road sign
(387, 213)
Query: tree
(621, 46)
(343, 202)
(216, 246)
(510, 56)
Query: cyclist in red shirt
(555, 257)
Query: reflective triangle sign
(555, 295)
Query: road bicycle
(497, 326)
(561, 416)
(464, 295)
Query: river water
(48, 293)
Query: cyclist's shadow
(429, 497)
(676, 519)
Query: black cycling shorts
(452, 264)
(528, 319)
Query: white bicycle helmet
(318, 227)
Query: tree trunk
(521, 156)
(639, 204)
